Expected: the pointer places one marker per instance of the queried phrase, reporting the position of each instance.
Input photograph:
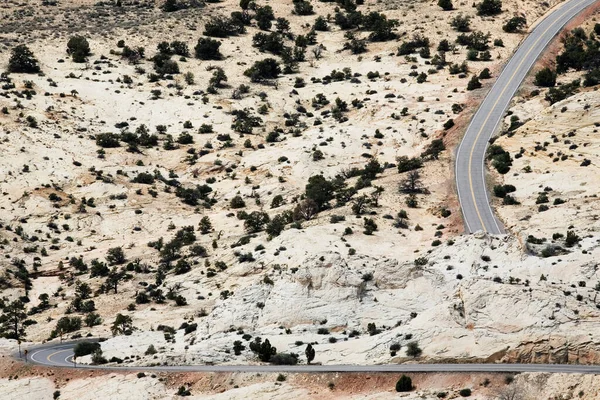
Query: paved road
(61, 355)
(470, 157)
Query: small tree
(404, 384)
(122, 325)
(572, 239)
(256, 221)
(79, 48)
(92, 319)
(406, 164)
(461, 23)
(264, 350)
(276, 226)
(113, 279)
(303, 7)
(320, 190)
(115, 256)
(170, 6)
(514, 24)
(208, 49)
(66, 325)
(446, 5)
(310, 353)
(306, 210)
(489, 7)
(85, 348)
(412, 183)
(370, 226)
(205, 225)
(474, 83)
(432, 152)
(264, 16)
(238, 347)
(545, 77)
(151, 350)
(263, 70)
(413, 349)
(12, 320)
(22, 60)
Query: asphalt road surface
(61, 356)
(470, 157)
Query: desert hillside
(238, 182)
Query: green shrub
(514, 24)
(489, 7)
(545, 77)
(263, 70)
(79, 48)
(446, 5)
(208, 49)
(84, 348)
(474, 83)
(22, 60)
(404, 384)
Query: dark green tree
(321, 24)
(572, 239)
(66, 325)
(310, 353)
(303, 7)
(22, 60)
(413, 349)
(545, 77)
(264, 70)
(238, 347)
(115, 256)
(208, 49)
(84, 348)
(489, 7)
(446, 5)
(264, 350)
(276, 226)
(12, 320)
(113, 279)
(474, 83)
(514, 24)
(433, 150)
(170, 6)
(320, 190)
(264, 16)
(256, 221)
(404, 384)
(122, 325)
(205, 225)
(79, 48)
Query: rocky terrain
(181, 202)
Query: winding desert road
(61, 356)
(470, 157)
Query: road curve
(60, 355)
(470, 157)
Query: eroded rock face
(456, 305)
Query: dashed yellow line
(53, 354)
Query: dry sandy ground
(467, 298)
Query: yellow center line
(494, 106)
(53, 354)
